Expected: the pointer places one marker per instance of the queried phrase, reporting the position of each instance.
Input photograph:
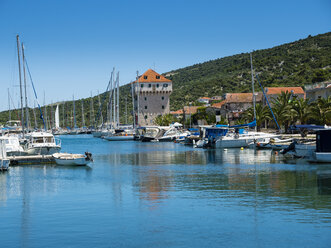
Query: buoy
(242, 148)
(225, 150)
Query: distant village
(152, 97)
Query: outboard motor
(291, 147)
(88, 156)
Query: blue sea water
(166, 195)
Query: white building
(151, 97)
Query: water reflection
(129, 181)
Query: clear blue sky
(72, 46)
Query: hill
(293, 64)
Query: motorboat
(4, 161)
(42, 143)
(273, 143)
(241, 139)
(72, 159)
(147, 134)
(209, 136)
(12, 145)
(172, 134)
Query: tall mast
(118, 99)
(34, 115)
(45, 113)
(100, 109)
(110, 96)
(91, 112)
(63, 114)
(254, 98)
(9, 105)
(26, 97)
(20, 78)
(74, 113)
(138, 93)
(114, 100)
(51, 116)
(83, 120)
(126, 110)
(133, 109)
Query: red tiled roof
(178, 112)
(219, 104)
(151, 76)
(279, 90)
(242, 97)
(187, 109)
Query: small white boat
(242, 140)
(4, 161)
(72, 159)
(273, 143)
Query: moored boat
(4, 161)
(72, 159)
(42, 143)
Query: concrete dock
(33, 159)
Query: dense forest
(299, 63)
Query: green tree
(262, 114)
(320, 111)
(301, 110)
(165, 120)
(282, 109)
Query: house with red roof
(234, 104)
(273, 92)
(151, 97)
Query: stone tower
(151, 97)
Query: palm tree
(320, 111)
(301, 110)
(262, 114)
(282, 109)
(164, 120)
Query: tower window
(145, 77)
(157, 85)
(157, 77)
(162, 97)
(145, 98)
(142, 85)
(145, 107)
(162, 106)
(149, 85)
(145, 117)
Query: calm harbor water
(166, 195)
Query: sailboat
(239, 139)
(118, 134)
